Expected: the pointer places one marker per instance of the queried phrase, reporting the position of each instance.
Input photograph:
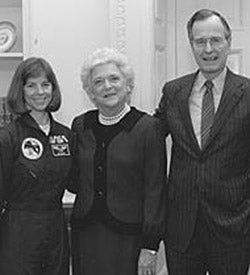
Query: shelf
(13, 14)
(10, 55)
(12, 11)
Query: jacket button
(99, 194)
(100, 168)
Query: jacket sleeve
(72, 185)
(1, 183)
(161, 111)
(7, 149)
(154, 186)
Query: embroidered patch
(59, 146)
(32, 148)
(59, 139)
(59, 150)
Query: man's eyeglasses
(214, 42)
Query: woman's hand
(147, 262)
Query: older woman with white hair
(119, 213)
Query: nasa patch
(59, 146)
(32, 148)
(59, 150)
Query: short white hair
(104, 56)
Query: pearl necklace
(111, 120)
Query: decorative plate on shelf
(7, 36)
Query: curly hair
(104, 56)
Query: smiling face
(37, 93)
(108, 89)
(210, 46)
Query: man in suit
(207, 114)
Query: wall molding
(118, 24)
(132, 32)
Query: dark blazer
(135, 175)
(215, 180)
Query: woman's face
(37, 93)
(108, 88)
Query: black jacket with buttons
(121, 175)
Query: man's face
(210, 46)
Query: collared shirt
(195, 99)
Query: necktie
(207, 112)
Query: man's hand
(147, 262)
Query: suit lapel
(183, 103)
(232, 92)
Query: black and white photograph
(124, 137)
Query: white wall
(64, 32)
(132, 32)
(140, 49)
